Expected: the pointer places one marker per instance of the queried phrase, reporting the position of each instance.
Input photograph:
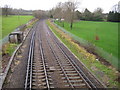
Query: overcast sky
(106, 5)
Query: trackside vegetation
(107, 74)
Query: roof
(16, 32)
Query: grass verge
(108, 75)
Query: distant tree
(40, 14)
(110, 16)
(6, 10)
(51, 12)
(87, 15)
(98, 15)
(113, 16)
(70, 8)
(58, 11)
(51, 16)
(78, 15)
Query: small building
(16, 37)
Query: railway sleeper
(79, 85)
(59, 69)
(38, 84)
(68, 66)
(49, 76)
(69, 69)
(37, 63)
(72, 74)
(71, 78)
(49, 73)
(67, 85)
(37, 73)
(74, 81)
(41, 87)
(52, 87)
(38, 77)
(77, 77)
(62, 74)
(76, 85)
(65, 63)
(49, 79)
(63, 78)
(37, 66)
(38, 80)
(38, 70)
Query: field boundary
(105, 55)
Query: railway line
(51, 66)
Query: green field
(11, 22)
(106, 31)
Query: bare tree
(65, 11)
(86, 15)
(77, 15)
(98, 10)
(58, 11)
(98, 14)
(6, 10)
(119, 7)
(51, 13)
(70, 8)
(40, 14)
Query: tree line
(113, 16)
(65, 11)
(7, 10)
(69, 12)
(97, 15)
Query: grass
(11, 22)
(9, 48)
(110, 74)
(88, 30)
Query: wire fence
(107, 56)
(0, 43)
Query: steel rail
(76, 67)
(80, 72)
(56, 57)
(43, 60)
(32, 56)
(89, 72)
(28, 81)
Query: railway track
(69, 72)
(49, 66)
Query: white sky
(106, 5)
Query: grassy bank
(11, 22)
(9, 48)
(107, 33)
(108, 75)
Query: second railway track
(49, 66)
